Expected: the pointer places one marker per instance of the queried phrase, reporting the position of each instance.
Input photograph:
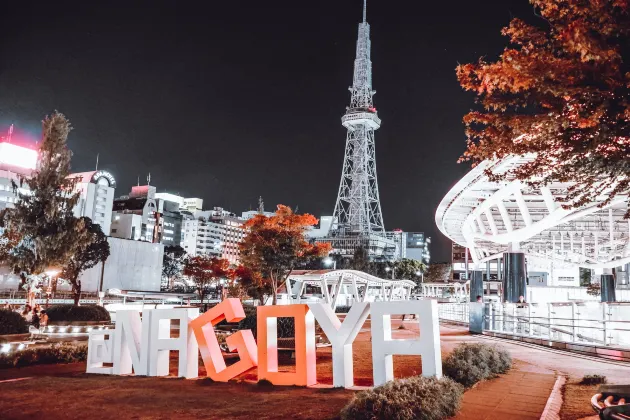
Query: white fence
(602, 324)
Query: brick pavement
(519, 394)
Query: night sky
(230, 100)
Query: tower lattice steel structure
(358, 209)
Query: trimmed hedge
(471, 363)
(57, 353)
(12, 323)
(411, 398)
(286, 326)
(342, 309)
(72, 313)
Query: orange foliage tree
(561, 94)
(274, 246)
(205, 271)
(246, 282)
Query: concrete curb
(554, 402)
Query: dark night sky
(229, 100)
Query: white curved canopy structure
(351, 284)
(491, 218)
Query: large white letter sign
(242, 341)
(162, 344)
(341, 336)
(131, 342)
(100, 352)
(267, 323)
(383, 346)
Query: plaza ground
(65, 391)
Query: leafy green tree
(41, 231)
(360, 260)
(91, 252)
(173, 263)
(409, 269)
(438, 273)
(586, 277)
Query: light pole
(330, 261)
(393, 270)
(51, 272)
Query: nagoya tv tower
(358, 209)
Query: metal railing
(601, 324)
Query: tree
(438, 273)
(586, 277)
(173, 263)
(41, 231)
(91, 252)
(409, 269)
(205, 271)
(360, 260)
(251, 284)
(274, 246)
(560, 95)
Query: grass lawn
(65, 391)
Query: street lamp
(330, 261)
(393, 270)
(51, 272)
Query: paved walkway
(519, 394)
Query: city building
(192, 204)
(399, 238)
(136, 216)
(15, 161)
(171, 222)
(246, 215)
(97, 197)
(357, 218)
(96, 188)
(215, 232)
(174, 198)
(417, 247)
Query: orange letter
(242, 341)
(305, 371)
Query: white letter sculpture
(100, 352)
(341, 336)
(131, 342)
(383, 346)
(161, 342)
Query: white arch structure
(491, 218)
(357, 285)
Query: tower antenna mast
(357, 217)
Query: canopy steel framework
(491, 218)
(357, 285)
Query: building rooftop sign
(104, 175)
(18, 156)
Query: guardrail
(594, 323)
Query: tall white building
(216, 232)
(174, 198)
(192, 204)
(14, 161)
(97, 197)
(136, 215)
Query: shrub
(72, 313)
(12, 323)
(593, 380)
(57, 353)
(411, 398)
(286, 326)
(471, 363)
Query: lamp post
(51, 272)
(393, 270)
(330, 261)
